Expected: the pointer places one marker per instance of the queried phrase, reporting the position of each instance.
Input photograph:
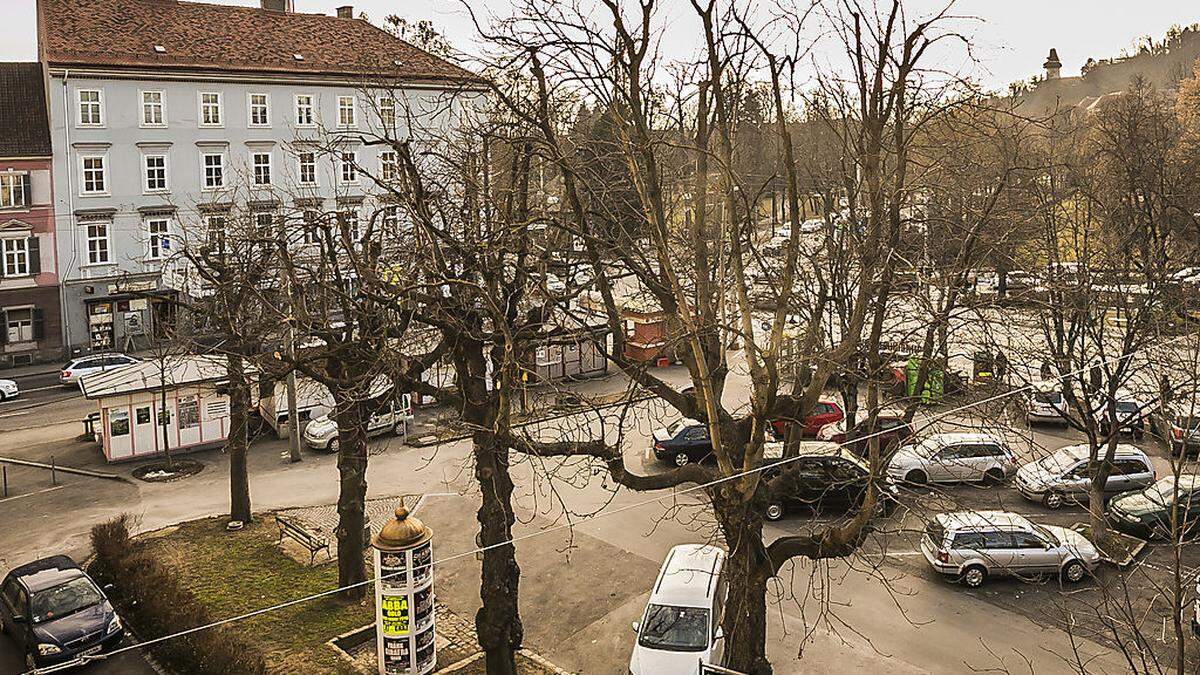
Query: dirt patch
(162, 471)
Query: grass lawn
(239, 572)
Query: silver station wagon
(1064, 475)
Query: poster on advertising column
(393, 569)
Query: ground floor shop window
(189, 412)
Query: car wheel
(1073, 572)
(993, 476)
(334, 446)
(3, 397)
(681, 458)
(774, 511)
(974, 576)
(916, 477)
(1053, 500)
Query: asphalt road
(37, 390)
(131, 662)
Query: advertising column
(404, 596)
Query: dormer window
(160, 49)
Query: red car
(889, 425)
(824, 412)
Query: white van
(312, 401)
(681, 627)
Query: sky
(1009, 38)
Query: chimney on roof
(277, 5)
(345, 12)
(1052, 65)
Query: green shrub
(155, 604)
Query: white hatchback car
(953, 457)
(93, 363)
(8, 389)
(681, 627)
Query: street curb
(421, 442)
(64, 469)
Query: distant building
(29, 292)
(168, 117)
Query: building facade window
(153, 109)
(210, 109)
(308, 168)
(264, 224)
(260, 115)
(261, 164)
(158, 238)
(390, 218)
(156, 173)
(348, 169)
(14, 190)
(95, 179)
(23, 325)
(214, 170)
(309, 231)
(387, 113)
(388, 166)
(16, 257)
(346, 111)
(214, 230)
(304, 110)
(98, 248)
(91, 108)
(349, 218)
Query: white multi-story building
(168, 115)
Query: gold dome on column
(403, 531)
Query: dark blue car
(684, 441)
(56, 613)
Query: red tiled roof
(123, 34)
(24, 126)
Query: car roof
(947, 438)
(689, 576)
(1082, 451)
(45, 573)
(1187, 481)
(971, 520)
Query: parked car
(1065, 475)
(8, 389)
(55, 613)
(1146, 513)
(1196, 609)
(1047, 404)
(686, 440)
(393, 416)
(681, 626)
(890, 428)
(1130, 415)
(825, 411)
(975, 545)
(823, 475)
(91, 364)
(1183, 432)
(953, 457)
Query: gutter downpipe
(62, 274)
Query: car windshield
(1127, 406)
(1166, 491)
(1051, 397)
(675, 629)
(1047, 535)
(59, 601)
(927, 447)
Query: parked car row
(83, 366)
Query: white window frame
(166, 173)
(312, 111)
(384, 123)
(220, 108)
(254, 182)
(300, 164)
(352, 217)
(19, 253)
(162, 109)
(155, 237)
(16, 185)
(250, 105)
(88, 239)
(24, 329)
(309, 227)
(99, 103)
(353, 109)
(344, 167)
(83, 191)
(204, 171)
(389, 170)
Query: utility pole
(293, 413)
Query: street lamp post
(404, 617)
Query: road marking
(421, 501)
(30, 494)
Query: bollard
(53, 472)
(5, 471)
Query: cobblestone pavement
(322, 520)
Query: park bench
(311, 542)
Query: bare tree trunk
(498, 621)
(748, 570)
(239, 440)
(352, 493)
